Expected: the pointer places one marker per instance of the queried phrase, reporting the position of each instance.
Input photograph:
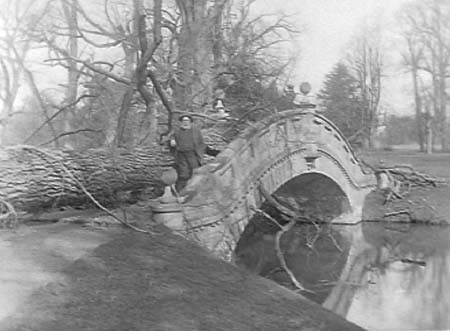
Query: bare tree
(83, 37)
(428, 29)
(413, 56)
(14, 50)
(366, 59)
(257, 56)
(197, 51)
(435, 32)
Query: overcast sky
(328, 26)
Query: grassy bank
(433, 164)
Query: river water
(381, 276)
(396, 277)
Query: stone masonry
(222, 196)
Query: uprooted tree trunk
(32, 179)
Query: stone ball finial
(305, 88)
(169, 176)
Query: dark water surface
(380, 276)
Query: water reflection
(404, 277)
(380, 276)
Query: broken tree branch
(283, 229)
(287, 213)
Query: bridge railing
(243, 141)
(230, 179)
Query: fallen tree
(405, 195)
(401, 179)
(33, 179)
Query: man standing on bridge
(189, 147)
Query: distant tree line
(400, 130)
(352, 91)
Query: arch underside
(222, 232)
(314, 196)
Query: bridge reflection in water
(377, 275)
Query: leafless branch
(62, 109)
(96, 69)
(8, 215)
(64, 134)
(283, 229)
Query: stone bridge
(290, 145)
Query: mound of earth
(136, 281)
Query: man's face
(186, 123)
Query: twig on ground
(9, 216)
(398, 212)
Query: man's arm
(172, 142)
(169, 139)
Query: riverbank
(66, 277)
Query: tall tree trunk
(130, 50)
(11, 78)
(198, 50)
(429, 131)
(120, 138)
(70, 13)
(443, 106)
(418, 107)
(435, 101)
(143, 52)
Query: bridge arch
(315, 193)
(222, 195)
